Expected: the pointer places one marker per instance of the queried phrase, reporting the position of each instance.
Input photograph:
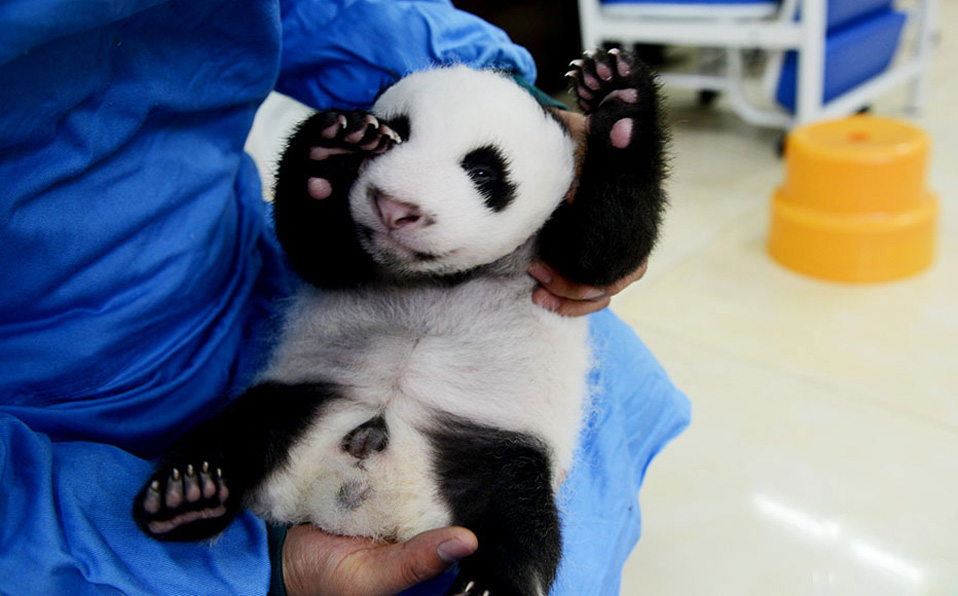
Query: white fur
(453, 111)
(479, 350)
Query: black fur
(498, 484)
(251, 437)
(612, 223)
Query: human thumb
(403, 565)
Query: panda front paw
(613, 89)
(349, 132)
(184, 503)
(343, 133)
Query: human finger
(319, 564)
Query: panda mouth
(391, 249)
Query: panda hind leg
(201, 483)
(498, 484)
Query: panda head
(481, 168)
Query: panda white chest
(481, 351)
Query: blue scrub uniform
(137, 270)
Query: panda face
(481, 168)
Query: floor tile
(785, 486)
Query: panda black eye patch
(487, 169)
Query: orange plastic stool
(854, 206)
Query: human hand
(571, 299)
(319, 564)
(558, 293)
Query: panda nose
(398, 215)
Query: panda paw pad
(609, 86)
(177, 498)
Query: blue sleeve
(67, 528)
(343, 53)
(29, 23)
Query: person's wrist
(276, 539)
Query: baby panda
(415, 384)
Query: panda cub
(415, 384)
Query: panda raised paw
(349, 132)
(333, 132)
(184, 503)
(611, 87)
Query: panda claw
(152, 501)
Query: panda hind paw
(185, 503)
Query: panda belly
(408, 362)
(385, 493)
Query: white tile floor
(823, 453)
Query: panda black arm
(610, 226)
(311, 205)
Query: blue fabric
(137, 268)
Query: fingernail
(453, 550)
(538, 271)
(593, 294)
